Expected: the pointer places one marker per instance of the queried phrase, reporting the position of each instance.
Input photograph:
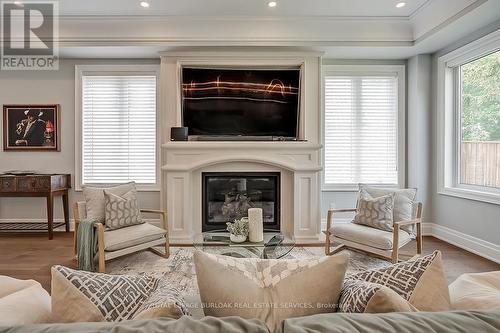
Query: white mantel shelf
(191, 155)
(222, 145)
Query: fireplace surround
(298, 162)
(227, 196)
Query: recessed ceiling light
(400, 4)
(18, 3)
(144, 4)
(272, 4)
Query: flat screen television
(241, 102)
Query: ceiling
(359, 29)
(340, 8)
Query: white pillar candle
(255, 225)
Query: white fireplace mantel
(191, 155)
(299, 162)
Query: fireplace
(228, 195)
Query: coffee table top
(276, 244)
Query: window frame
(82, 70)
(449, 125)
(400, 72)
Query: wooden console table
(39, 185)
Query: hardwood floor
(31, 256)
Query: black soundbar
(241, 138)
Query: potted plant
(238, 231)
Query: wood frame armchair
(392, 254)
(104, 255)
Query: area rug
(179, 269)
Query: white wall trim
(369, 69)
(107, 69)
(469, 243)
(448, 125)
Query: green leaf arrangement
(239, 227)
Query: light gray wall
(418, 130)
(474, 218)
(44, 87)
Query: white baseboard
(469, 243)
(155, 222)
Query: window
(469, 121)
(362, 126)
(479, 95)
(118, 126)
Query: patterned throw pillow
(269, 289)
(80, 296)
(420, 282)
(404, 203)
(375, 212)
(361, 296)
(94, 199)
(121, 211)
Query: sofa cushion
(23, 302)
(375, 212)
(122, 238)
(94, 199)
(121, 211)
(479, 291)
(362, 296)
(159, 325)
(379, 239)
(80, 296)
(415, 322)
(404, 202)
(420, 281)
(269, 289)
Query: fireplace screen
(228, 196)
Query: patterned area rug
(180, 272)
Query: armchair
(381, 243)
(116, 243)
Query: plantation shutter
(361, 129)
(119, 129)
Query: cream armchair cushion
(123, 238)
(23, 302)
(372, 237)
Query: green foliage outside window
(481, 99)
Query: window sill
(469, 194)
(353, 187)
(140, 188)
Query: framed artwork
(31, 127)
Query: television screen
(243, 102)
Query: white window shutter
(361, 129)
(118, 129)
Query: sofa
(412, 322)
(146, 304)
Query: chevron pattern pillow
(269, 289)
(121, 211)
(375, 212)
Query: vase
(255, 225)
(237, 238)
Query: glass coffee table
(276, 244)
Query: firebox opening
(228, 195)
